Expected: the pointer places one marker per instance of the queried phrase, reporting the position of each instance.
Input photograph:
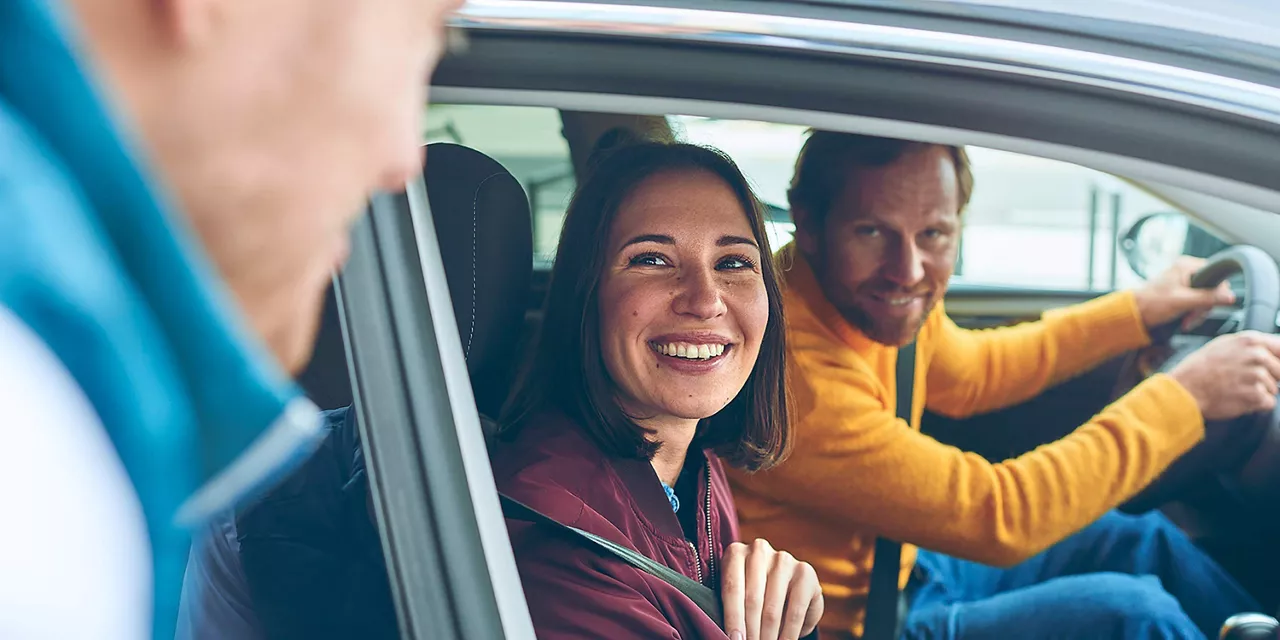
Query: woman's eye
(734, 263)
(648, 260)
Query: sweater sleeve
(979, 371)
(865, 467)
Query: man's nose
(699, 295)
(905, 266)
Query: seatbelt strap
(701, 595)
(884, 599)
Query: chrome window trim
(505, 578)
(1145, 170)
(1137, 77)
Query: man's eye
(931, 234)
(866, 232)
(648, 260)
(734, 263)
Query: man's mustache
(888, 288)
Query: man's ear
(807, 239)
(188, 23)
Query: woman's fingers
(817, 604)
(733, 589)
(775, 596)
(768, 594)
(759, 562)
(804, 603)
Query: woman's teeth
(690, 351)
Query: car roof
(1242, 34)
(1247, 20)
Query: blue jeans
(1121, 577)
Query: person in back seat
(661, 353)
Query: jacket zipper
(706, 517)
(697, 561)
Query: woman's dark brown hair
(568, 373)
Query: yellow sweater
(857, 472)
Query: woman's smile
(691, 353)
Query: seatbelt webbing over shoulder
(884, 599)
(706, 598)
(701, 595)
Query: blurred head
(270, 123)
(664, 307)
(879, 221)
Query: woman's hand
(768, 594)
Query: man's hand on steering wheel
(1233, 375)
(1232, 378)
(1170, 296)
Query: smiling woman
(668, 299)
(661, 353)
(656, 235)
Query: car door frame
(449, 560)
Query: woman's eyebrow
(728, 241)
(650, 237)
(724, 241)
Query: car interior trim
(447, 578)
(1086, 68)
(498, 555)
(1252, 195)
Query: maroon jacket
(575, 591)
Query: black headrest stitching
(475, 230)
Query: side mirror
(1154, 242)
(1157, 239)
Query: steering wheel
(1242, 453)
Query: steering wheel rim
(1261, 284)
(1242, 443)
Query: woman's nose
(699, 295)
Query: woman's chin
(695, 410)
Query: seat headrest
(482, 219)
(485, 231)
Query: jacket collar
(646, 490)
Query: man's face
(889, 244)
(271, 122)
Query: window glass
(527, 141)
(1031, 223)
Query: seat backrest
(482, 222)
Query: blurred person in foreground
(177, 182)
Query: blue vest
(95, 260)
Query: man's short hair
(827, 157)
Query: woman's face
(683, 306)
